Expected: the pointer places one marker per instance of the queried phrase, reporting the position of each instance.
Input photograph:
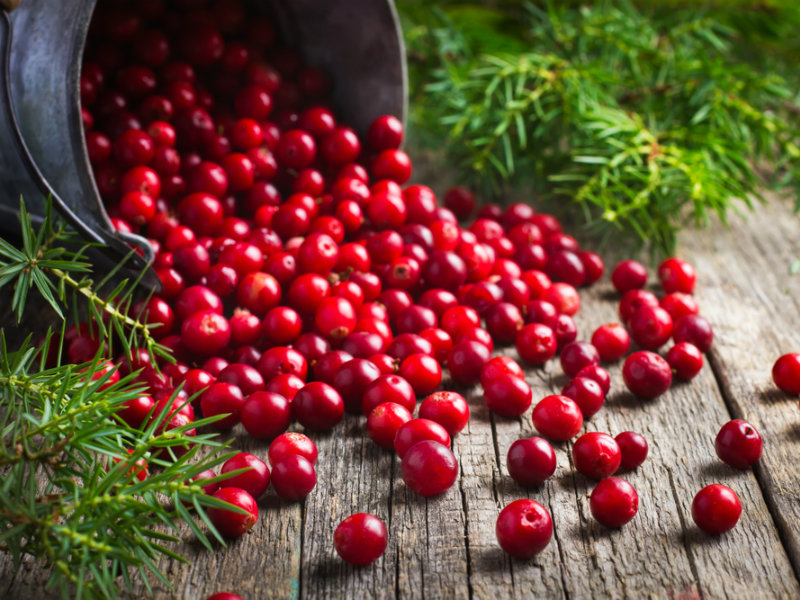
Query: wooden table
(444, 547)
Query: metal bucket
(42, 147)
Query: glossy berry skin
(388, 388)
(646, 374)
(557, 417)
(536, 343)
(429, 468)
(577, 355)
(596, 455)
(651, 327)
(318, 406)
(206, 333)
(384, 421)
(447, 408)
(418, 430)
(629, 275)
(254, 481)
(222, 398)
(507, 395)
(531, 461)
(614, 502)
(265, 415)
(500, 365)
(633, 300)
(360, 539)
(352, 379)
(422, 371)
(586, 393)
(230, 523)
(786, 373)
(677, 275)
(685, 360)
(524, 528)
(598, 374)
(695, 330)
(466, 361)
(716, 509)
(612, 341)
(633, 448)
(293, 477)
(290, 443)
(738, 444)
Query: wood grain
(444, 547)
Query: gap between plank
(466, 532)
(762, 476)
(684, 529)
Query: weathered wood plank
(746, 291)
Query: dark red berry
(429, 468)
(646, 374)
(633, 447)
(716, 509)
(360, 539)
(614, 502)
(738, 444)
(524, 528)
(596, 455)
(531, 461)
(557, 417)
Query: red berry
(633, 300)
(318, 406)
(422, 371)
(612, 341)
(676, 275)
(738, 444)
(646, 374)
(385, 132)
(695, 330)
(598, 374)
(205, 332)
(507, 395)
(596, 455)
(614, 502)
(254, 481)
(384, 421)
(685, 360)
(678, 304)
(418, 430)
(461, 201)
(557, 417)
(587, 394)
(651, 327)
(222, 399)
(265, 414)
(536, 343)
(449, 409)
(293, 477)
(466, 360)
(228, 522)
(786, 373)
(290, 443)
(531, 461)
(633, 448)
(388, 388)
(576, 356)
(716, 508)
(524, 528)
(429, 468)
(500, 365)
(629, 275)
(360, 539)
(352, 379)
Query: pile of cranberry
(303, 278)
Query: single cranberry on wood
(524, 528)
(360, 539)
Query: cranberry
(685, 360)
(245, 377)
(651, 327)
(440, 341)
(678, 305)
(258, 292)
(265, 415)
(388, 388)
(586, 393)
(738, 444)
(135, 411)
(564, 297)
(531, 461)
(646, 374)
(633, 300)
(612, 341)
(281, 325)
(564, 265)
(205, 332)
(422, 371)
(596, 455)
(254, 481)
(503, 321)
(457, 318)
(335, 317)
(352, 379)
(536, 343)
(444, 269)
(695, 330)
(507, 395)
(466, 360)
(633, 448)
(500, 365)
(577, 355)
(786, 373)
(614, 502)
(449, 409)
(417, 430)
(716, 509)
(340, 147)
(384, 421)
(429, 468)
(557, 417)
(228, 522)
(461, 201)
(327, 365)
(676, 275)
(222, 399)
(385, 132)
(593, 266)
(282, 360)
(629, 275)
(318, 406)
(360, 539)
(293, 477)
(290, 443)
(224, 596)
(524, 528)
